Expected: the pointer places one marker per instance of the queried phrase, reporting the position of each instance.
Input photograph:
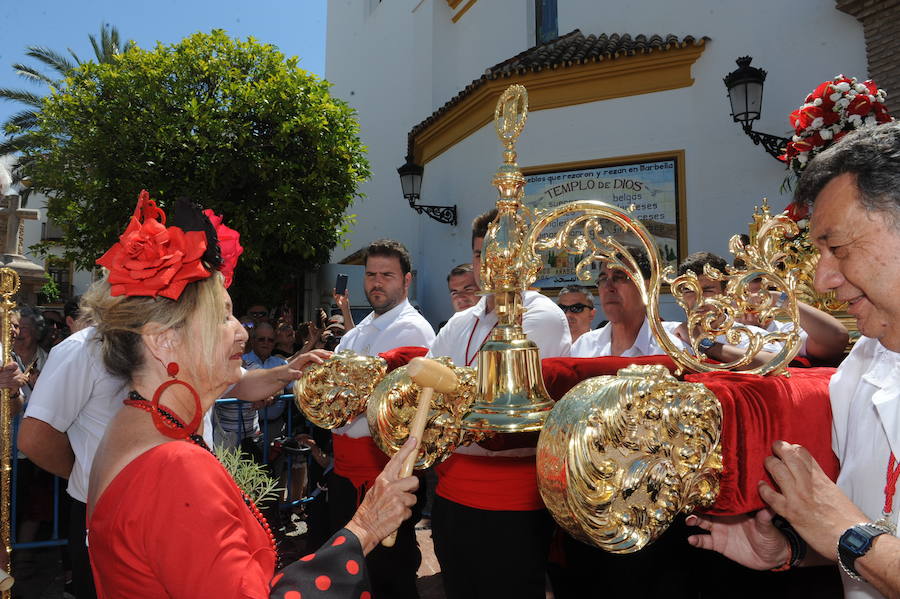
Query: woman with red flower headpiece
(165, 519)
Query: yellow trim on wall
(558, 87)
(463, 10)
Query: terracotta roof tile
(568, 50)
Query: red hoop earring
(172, 429)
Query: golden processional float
(618, 457)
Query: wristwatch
(855, 543)
(706, 344)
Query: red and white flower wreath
(830, 112)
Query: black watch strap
(855, 543)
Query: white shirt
(599, 342)
(543, 323)
(77, 395)
(400, 326)
(786, 327)
(865, 406)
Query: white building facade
(420, 66)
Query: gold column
(9, 285)
(510, 396)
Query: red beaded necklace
(136, 401)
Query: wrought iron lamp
(745, 91)
(411, 182)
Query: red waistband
(358, 459)
(490, 483)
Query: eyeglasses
(257, 313)
(265, 339)
(574, 308)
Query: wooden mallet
(431, 376)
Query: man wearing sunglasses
(578, 305)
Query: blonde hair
(121, 320)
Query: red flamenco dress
(174, 524)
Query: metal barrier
(59, 484)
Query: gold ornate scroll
(9, 286)
(590, 232)
(766, 263)
(334, 392)
(801, 254)
(393, 404)
(620, 456)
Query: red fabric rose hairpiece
(229, 246)
(151, 259)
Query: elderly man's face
(27, 335)
(462, 291)
(579, 310)
(859, 259)
(619, 296)
(263, 340)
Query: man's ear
(407, 279)
(161, 343)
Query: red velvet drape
(756, 412)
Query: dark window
(545, 22)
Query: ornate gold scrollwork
(583, 233)
(393, 404)
(334, 392)
(620, 456)
(767, 266)
(800, 254)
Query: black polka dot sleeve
(337, 569)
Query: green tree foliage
(230, 124)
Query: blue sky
(297, 27)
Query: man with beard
(393, 322)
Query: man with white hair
(578, 305)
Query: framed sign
(651, 186)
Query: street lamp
(745, 92)
(411, 183)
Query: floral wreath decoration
(151, 259)
(831, 111)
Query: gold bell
(510, 393)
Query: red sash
(490, 483)
(358, 459)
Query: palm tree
(19, 127)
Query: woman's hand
(301, 360)
(387, 504)
(750, 540)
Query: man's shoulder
(589, 343)
(462, 319)
(412, 322)
(82, 345)
(536, 299)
